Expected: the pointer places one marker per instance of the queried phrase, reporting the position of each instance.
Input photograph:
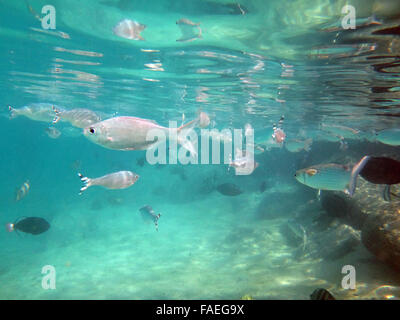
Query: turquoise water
(255, 62)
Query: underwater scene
(202, 149)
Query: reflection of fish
(131, 133)
(321, 294)
(79, 118)
(22, 191)
(377, 170)
(148, 213)
(229, 189)
(116, 180)
(325, 177)
(296, 145)
(279, 135)
(35, 111)
(33, 225)
(129, 29)
(190, 30)
(389, 136)
(53, 132)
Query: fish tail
(354, 174)
(13, 114)
(86, 181)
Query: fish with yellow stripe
(329, 176)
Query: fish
(21, 192)
(325, 177)
(147, 213)
(263, 186)
(129, 29)
(203, 120)
(389, 136)
(36, 111)
(244, 163)
(279, 135)
(53, 132)
(376, 170)
(321, 294)
(295, 145)
(141, 161)
(131, 133)
(190, 30)
(116, 180)
(229, 189)
(32, 225)
(80, 118)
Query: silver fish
(131, 133)
(129, 29)
(35, 111)
(116, 180)
(22, 191)
(80, 118)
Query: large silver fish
(80, 118)
(116, 180)
(131, 133)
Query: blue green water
(256, 61)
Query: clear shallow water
(255, 62)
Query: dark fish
(229, 189)
(321, 294)
(377, 170)
(140, 161)
(33, 225)
(263, 186)
(148, 213)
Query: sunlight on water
(314, 92)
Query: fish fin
(86, 181)
(183, 141)
(354, 174)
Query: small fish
(35, 111)
(203, 120)
(80, 118)
(21, 192)
(147, 213)
(343, 145)
(129, 29)
(279, 135)
(325, 177)
(229, 189)
(321, 294)
(189, 29)
(53, 132)
(131, 133)
(141, 161)
(389, 136)
(377, 170)
(263, 186)
(33, 225)
(116, 180)
(296, 145)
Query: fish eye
(91, 130)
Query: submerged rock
(341, 206)
(381, 236)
